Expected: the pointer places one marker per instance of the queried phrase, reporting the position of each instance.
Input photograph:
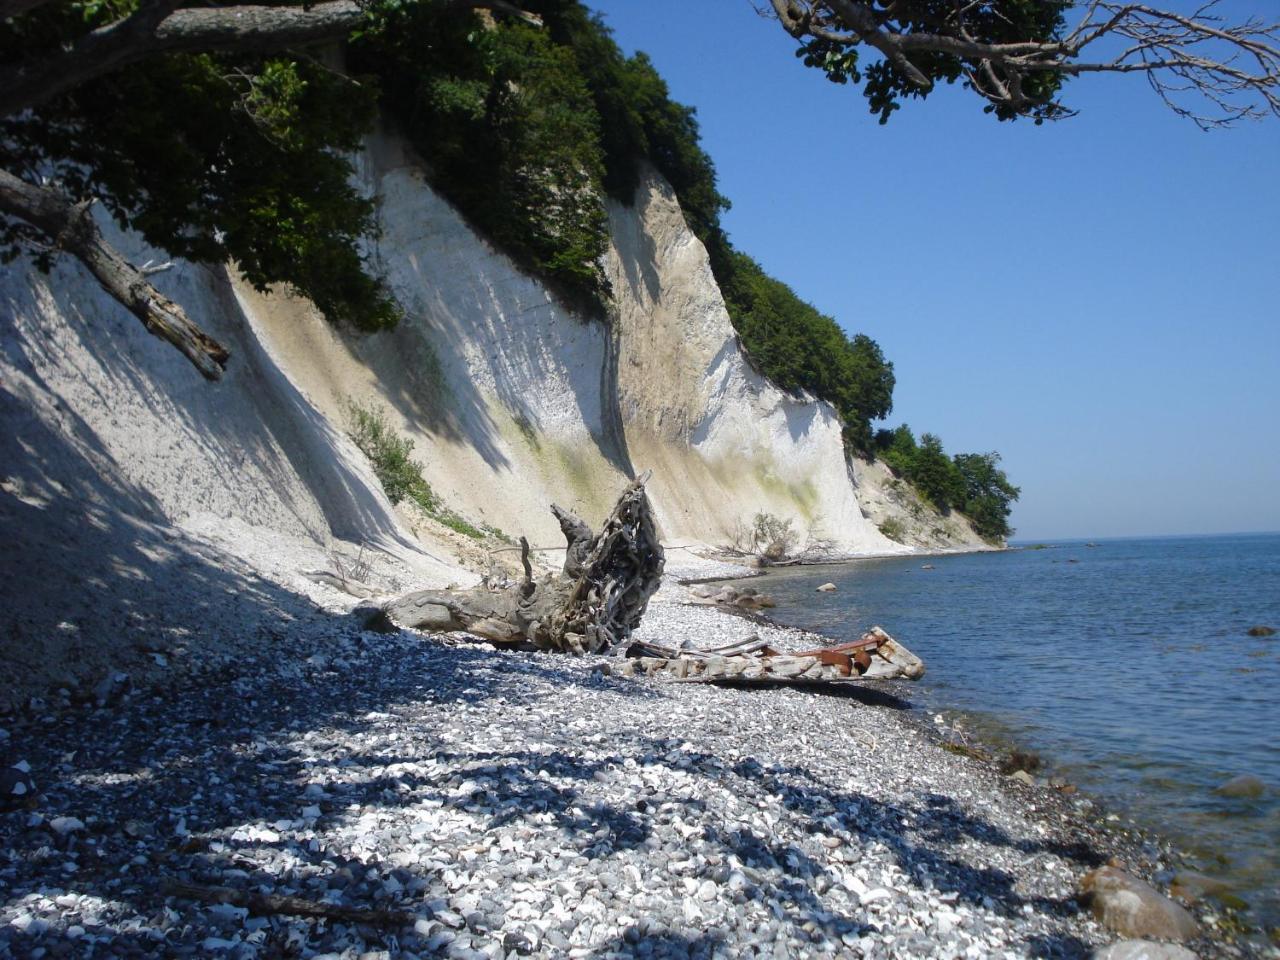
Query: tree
(222, 140)
(219, 133)
(988, 494)
(1016, 54)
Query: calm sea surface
(1126, 665)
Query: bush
(390, 455)
(894, 529)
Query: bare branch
(160, 28)
(1233, 69)
(71, 227)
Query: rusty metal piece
(872, 638)
(834, 658)
(876, 655)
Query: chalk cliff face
(723, 442)
(119, 461)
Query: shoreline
(1113, 826)
(507, 800)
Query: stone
(111, 688)
(1245, 785)
(1023, 777)
(1143, 950)
(1190, 886)
(17, 789)
(826, 588)
(65, 825)
(1133, 908)
(1261, 631)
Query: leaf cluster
(885, 86)
(972, 483)
(212, 158)
(507, 126)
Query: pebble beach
(465, 802)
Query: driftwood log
(592, 606)
(875, 656)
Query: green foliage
(391, 456)
(212, 158)
(894, 529)
(509, 131)
(993, 21)
(936, 476)
(897, 448)
(972, 483)
(988, 496)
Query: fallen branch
(592, 607)
(273, 903)
(72, 228)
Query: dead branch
(73, 229)
(592, 607)
(1205, 69)
(273, 903)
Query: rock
(1021, 760)
(1190, 886)
(1261, 631)
(110, 688)
(17, 789)
(1133, 908)
(1143, 950)
(65, 825)
(1023, 777)
(1245, 785)
(826, 588)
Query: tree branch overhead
(1205, 69)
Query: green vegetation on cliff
(972, 483)
(211, 157)
(246, 158)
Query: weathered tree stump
(591, 607)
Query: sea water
(1126, 664)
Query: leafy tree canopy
(213, 157)
(972, 483)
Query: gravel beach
(514, 804)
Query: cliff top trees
(220, 134)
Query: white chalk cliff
(117, 461)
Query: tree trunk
(71, 227)
(592, 607)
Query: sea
(1125, 664)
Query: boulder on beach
(17, 789)
(826, 588)
(747, 598)
(1133, 908)
(1246, 786)
(1143, 950)
(1261, 631)
(1190, 886)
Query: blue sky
(1097, 299)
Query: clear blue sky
(1097, 299)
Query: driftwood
(876, 656)
(591, 607)
(272, 903)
